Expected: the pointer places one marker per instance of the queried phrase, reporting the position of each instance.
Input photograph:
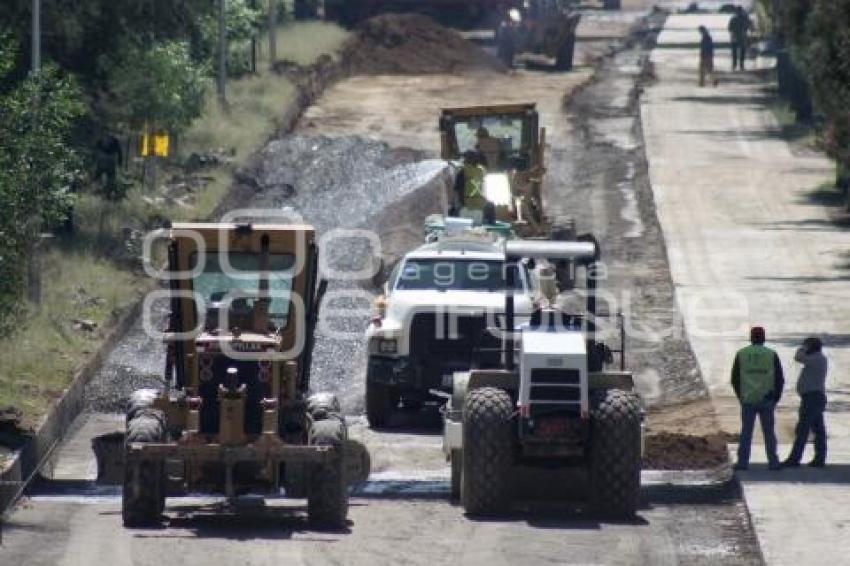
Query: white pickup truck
(440, 313)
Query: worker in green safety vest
(758, 381)
(469, 189)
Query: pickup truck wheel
(327, 502)
(143, 493)
(615, 453)
(487, 446)
(380, 402)
(457, 473)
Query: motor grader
(554, 411)
(510, 145)
(234, 415)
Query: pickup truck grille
(453, 337)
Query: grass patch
(40, 360)
(80, 283)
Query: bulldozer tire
(457, 473)
(487, 449)
(379, 404)
(615, 459)
(143, 495)
(327, 501)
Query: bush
(827, 58)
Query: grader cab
(235, 416)
(508, 143)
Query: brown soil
(685, 436)
(677, 451)
(409, 44)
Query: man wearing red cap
(758, 381)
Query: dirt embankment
(409, 44)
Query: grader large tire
(327, 501)
(143, 496)
(488, 451)
(615, 453)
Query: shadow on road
(835, 474)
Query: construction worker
(706, 57)
(811, 387)
(469, 184)
(108, 158)
(758, 381)
(739, 26)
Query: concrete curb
(60, 416)
(310, 82)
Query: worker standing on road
(811, 387)
(706, 57)
(739, 26)
(758, 381)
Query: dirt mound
(678, 451)
(409, 44)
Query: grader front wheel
(327, 502)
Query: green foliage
(827, 59)
(161, 86)
(243, 23)
(38, 165)
(792, 19)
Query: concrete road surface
(755, 235)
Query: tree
(38, 164)
(160, 86)
(827, 60)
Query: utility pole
(36, 36)
(254, 43)
(222, 52)
(272, 33)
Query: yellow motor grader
(235, 415)
(507, 143)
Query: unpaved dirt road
(402, 515)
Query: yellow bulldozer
(235, 415)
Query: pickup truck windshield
(455, 275)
